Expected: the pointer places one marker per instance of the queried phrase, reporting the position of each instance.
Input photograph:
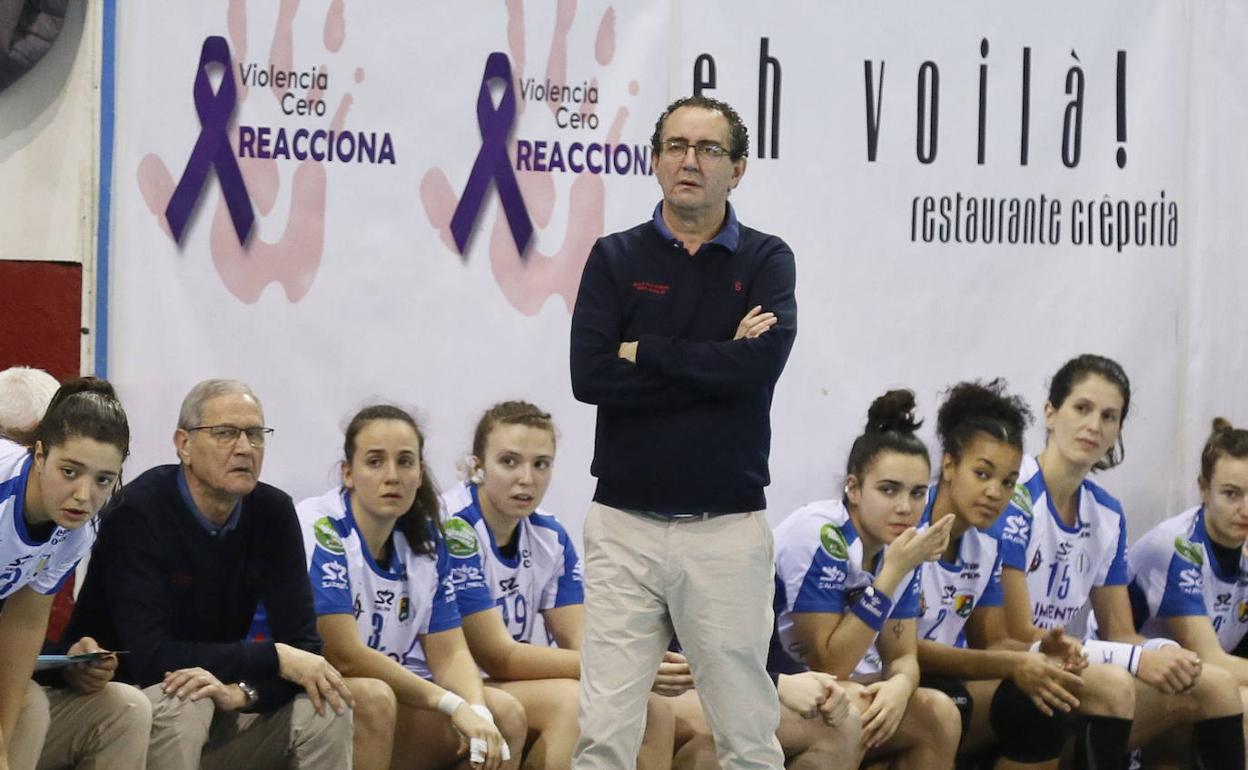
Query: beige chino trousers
(711, 582)
(189, 735)
(60, 728)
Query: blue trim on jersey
(472, 594)
(108, 67)
(926, 518)
(330, 577)
(1116, 575)
(1035, 485)
(1014, 527)
(907, 607)
(823, 585)
(1200, 534)
(993, 594)
(1057, 517)
(1184, 594)
(444, 612)
(847, 529)
(16, 487)
(568, 589)
(19, 506)
(395, 570)
(512, 562)
(1105, 499)
(9, 486)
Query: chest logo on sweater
(650, 287)
(383, 600)
(1243, 612)
(405, 608)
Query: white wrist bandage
(1159, 642)
(449, 702)
(1114, 653)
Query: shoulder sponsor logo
(1189, 551)
(833, 542)
(1022, 499)
(327, 536)
(334, 575)
(1189, 581)
(831, 576)
(461, 541)
(467, 576)
(1017, 528)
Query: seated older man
(175, 578)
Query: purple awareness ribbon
(492, 161)
(212, 148)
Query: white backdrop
(351, 288)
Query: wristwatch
(250, 694)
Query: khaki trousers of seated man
(61, 728)
(188, 735)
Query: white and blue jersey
(1175, 573)
(544, 572)
(393, 603)
(819, 569)
(950, 592)
(25, 560)
(1062, 564)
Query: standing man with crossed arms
(681, 328)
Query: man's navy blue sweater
(161, 587)
(687, 428)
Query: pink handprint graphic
(292, 260)
(529, 278)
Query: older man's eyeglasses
(675, 149)
(228, 434)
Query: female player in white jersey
(842, 594)
(511, 562)
(1189, 574)
(385, 605)
(50, 495)
(1014, 701)
(1063, 545)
